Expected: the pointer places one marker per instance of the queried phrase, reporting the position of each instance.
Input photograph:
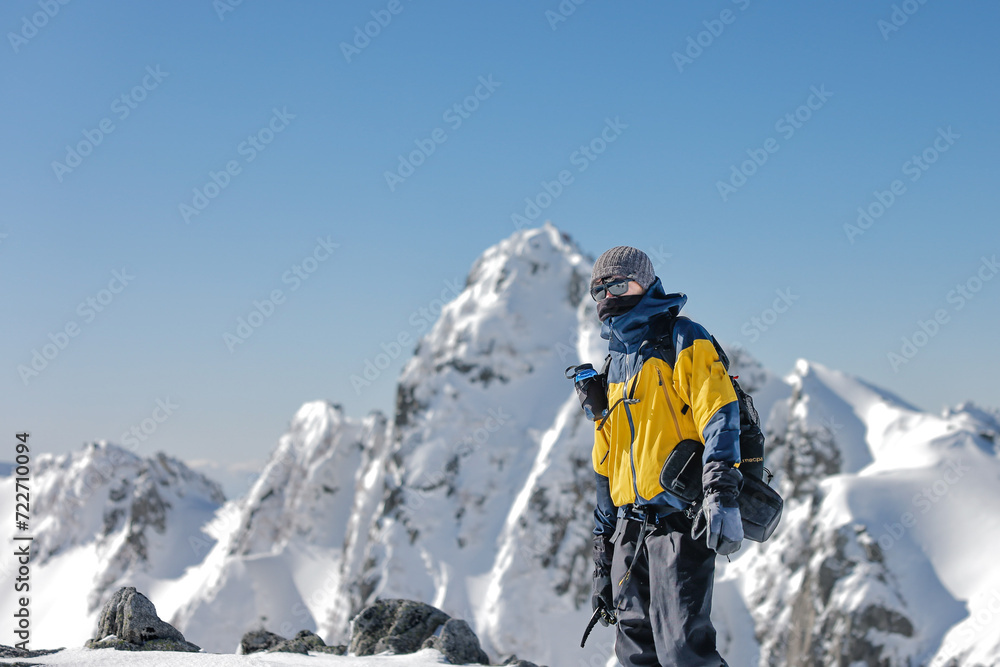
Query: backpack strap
(662, 337)
(723, 357)
(664, 340)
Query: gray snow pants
(664, 604)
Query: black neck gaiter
(618, 305)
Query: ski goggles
(614, 288)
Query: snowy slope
(282, 549)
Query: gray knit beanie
(625, 261)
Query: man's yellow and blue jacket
(693, 400)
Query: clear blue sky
(199, 81)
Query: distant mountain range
(476, 496)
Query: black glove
(591, 389)
(719, 521)
(602, 597)
(719, 517)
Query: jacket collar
(629, 329)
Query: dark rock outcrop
(129, 622)
(458, 643)
(304, 642)
(256, 641)
(398, 626)
(14, 652)
(512, 661)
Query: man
(651, 574)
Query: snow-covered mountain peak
(505, 336)
(86, 467)
(530, 260)
(521, 295)
(95, 492)
(810, 376)
(989, 416)
(307, 486)
(983, 422)
(311, 429)
(863, 420)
